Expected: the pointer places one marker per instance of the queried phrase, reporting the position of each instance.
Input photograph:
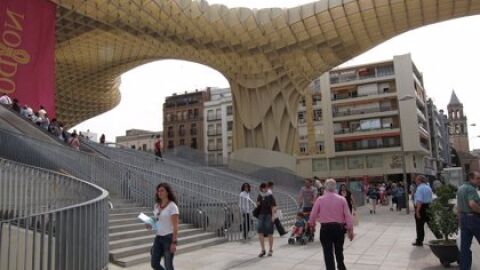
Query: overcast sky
(447, 54)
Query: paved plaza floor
(383, 242)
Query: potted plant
(444, 225)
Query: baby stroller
(302, 232)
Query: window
(375, 161)
(211, 130)
(182, 141)
(320, 146)
(302, 101)
(170, 132)
(218, 113)
(185, 115)
(301, 117)
(210, 115)
(211, 145)
(196, 113)
(181, 130)
(355, 162)
(193, 143)
(170, 144)
(229, 125)
(133, 146)
(303, 148)
(190, 114)
(219, 144)
(144, 147)
(229, 110)
(337, 164)
(218, 128)
(317, 115)
(193, 129)
(316, 99)
(179, 116)
(319, 165)
(169, 117)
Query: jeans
(332, 237)
(246, 225)
(161, 248)
(470, 227)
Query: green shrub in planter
(443, 219)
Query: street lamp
(404, 167)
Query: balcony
(349, 147)
(212, 147)
(373, 130)
(349, 112)
(354, 95)
(361, 74)
(211, 132)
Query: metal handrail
(34, 238)
(114, 176)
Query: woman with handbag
(265, 208)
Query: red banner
(27, 52)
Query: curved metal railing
(220, 215)
(50, 220)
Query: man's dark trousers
(420, 223)
(332, 237)
(470, 227)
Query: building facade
(354, 120)
(139, 139)
(438, 136)
(183, 120)
(218, 126)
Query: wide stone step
(145, 257)
(124, 221)
(116, 254)
(130, 210)
(132, 215)
(139, 226)
(126, 205)
(148, 238)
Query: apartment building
(218, 125)
(183, 119)
(139, 139)
(439, 137)
(353, 120)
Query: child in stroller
(301, 232)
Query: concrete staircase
(130, 242)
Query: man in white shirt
(5, 100)
(42, 112)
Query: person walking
(307, 196)
(73, 141)
(277, 223)
(245, 205)
(344, 192)
(373, 196)
(166, 214)
(468, 208)
(334, 215)
(158, 148)
(102, 139)
(266, 207)
(423, 198)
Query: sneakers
(417, 244)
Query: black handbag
(256, 212)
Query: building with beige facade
(139, 139)
(352, 123)
(183, 119)
(218, 126)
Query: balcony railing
(363, 111)
(336, 78)
(355, 95)
(219, 146)
(350, 130)
(344, 148)
(212, 147)
(211, 132)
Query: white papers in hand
(148, 220)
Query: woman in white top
(246, 208)
(166, 213)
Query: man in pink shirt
(334, 215)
